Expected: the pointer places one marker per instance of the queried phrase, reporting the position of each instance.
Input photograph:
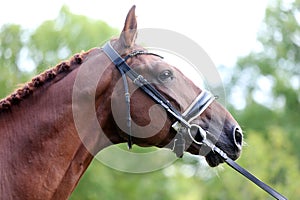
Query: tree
(11, 45)
(269, 81)
(270, 76)
(57, 39)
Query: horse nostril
(238, 137)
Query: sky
(224, 29)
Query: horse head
(151, 125)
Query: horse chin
(213, 159)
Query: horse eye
(165, 76)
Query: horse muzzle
(232, 148)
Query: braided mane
(48, 75)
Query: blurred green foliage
(268, 78)
(11, 45)
(57, 39)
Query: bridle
(201, 102)
(183, 123)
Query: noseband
(183, 121)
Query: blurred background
(255, 45)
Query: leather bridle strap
(243, 171)
(142, 83)
(255, 180)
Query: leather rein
(183, 121)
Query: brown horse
(42, 153)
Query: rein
(182, 124)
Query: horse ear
(128, 34)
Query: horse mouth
(232, 148)
(213, 159)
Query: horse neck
(42, 156)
